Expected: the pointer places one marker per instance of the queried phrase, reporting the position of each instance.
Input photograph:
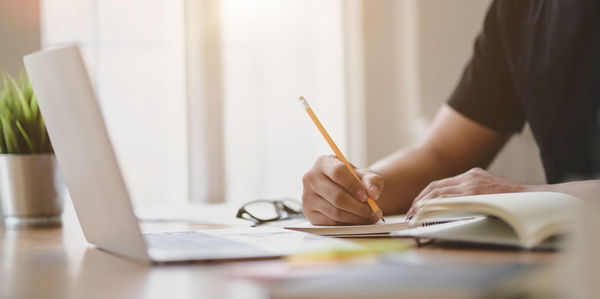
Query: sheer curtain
(134, 53)
(273, 52)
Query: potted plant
(29, 182)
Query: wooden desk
(59, 263)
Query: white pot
(29, 190)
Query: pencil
(374, 207)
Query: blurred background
(200, 96)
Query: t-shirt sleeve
(486, 92)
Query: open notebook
(526, 219)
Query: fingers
(319, 211)
(340, 197)
(333, 195)
(427, 191)
(474, 181)
(339, 215)
(339, 173)
(441, 192)
(436, 189)
(436, 185)
(372, 181)
(317, 218)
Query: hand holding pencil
(337, 193)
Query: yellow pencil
(374, 207)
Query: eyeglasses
(264, 210)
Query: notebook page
(534, 215)
(396, 222)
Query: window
(272, 52)
(134, 52)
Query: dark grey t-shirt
(539, 62)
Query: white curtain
(273, 52)
(134, 52)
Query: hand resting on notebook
(478, 181)
(473, 182)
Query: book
(393, 223)
(526, 219)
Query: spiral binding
(431, 223)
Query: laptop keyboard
(191, 245)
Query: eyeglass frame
(280, 208)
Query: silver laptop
(87, 160)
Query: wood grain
(59, 263)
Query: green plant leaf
(28, 91)
(22, 128)
(2, 143)
(44, 139)
(26, 137)
(33, 104)
(9, 138)
(18, 93)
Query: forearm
(405, 174)
(453, 145)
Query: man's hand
(333, 196)
(472, 182)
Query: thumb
(373, 183)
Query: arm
(478, 181)
(437, 167)
(454, 144)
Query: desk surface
(59, 263)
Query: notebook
(381, 229)
(527, 219)
(393, 223)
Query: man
(534, 61)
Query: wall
(381, 75)
(19, 32)
(447, 30)
(413, 56)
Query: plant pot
(29, 190)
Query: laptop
(85, 155)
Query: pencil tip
(304, 102)
(382, 219)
